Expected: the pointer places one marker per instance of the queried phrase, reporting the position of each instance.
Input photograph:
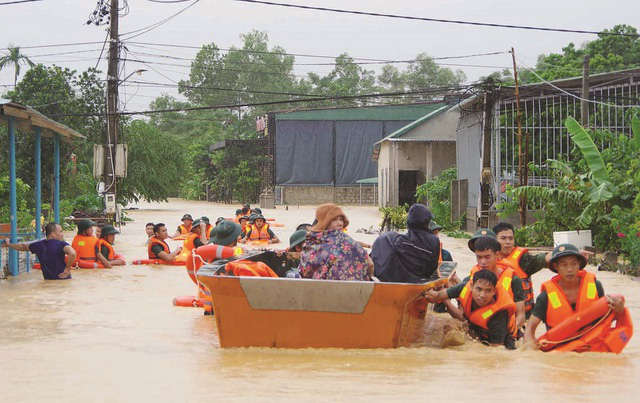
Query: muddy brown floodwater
(114, 336)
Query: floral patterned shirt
(333, 255)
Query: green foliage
(14, 58)
(23, 193)
(395, 217)
(596, 191)
(456, 233)
(436, 194)
(155, 166)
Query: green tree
(154, 173)
(14, 58)
(607, 53)
(346, 79)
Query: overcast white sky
(50, 22)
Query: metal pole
(521, 179)
(38, 182)
(56, 177)
(584, 105)
(13, 254)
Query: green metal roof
(404, 130)
(386, 112)
(368, 181)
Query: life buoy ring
(592, 329)
(276, 224)
(188, 301)
(157, 262)
(180, 237)
(206, 254)
(85, 264)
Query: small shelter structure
(27, 120)
(415, 152)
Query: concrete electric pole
(112, 115)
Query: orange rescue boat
(302, 313)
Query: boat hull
(302, 313)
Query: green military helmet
(479, 234)
(297, 238)
(566, 249)
(225, 233)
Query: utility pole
(486, 176)
(112, 111)
(584, 105)
(522, 177)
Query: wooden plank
(21, 114)
(55, 127)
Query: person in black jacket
(410, 257)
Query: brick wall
(342, 195)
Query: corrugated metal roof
(385, 112)
(368, 181)
(416, 123)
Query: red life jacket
(513, 261)
(559, 308)
(481, 316)
(103, 242)
(261, 234)
(85, 247)
(156, 241)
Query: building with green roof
(319, 155)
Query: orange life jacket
(156, 241)
(440, 257)
(261, 234)
(85, 247)
(189, 241)
(183, 229)
(249, 268)
(559, 308)
(481, 316)
(207, 231)
(103, 242)
(513, 261)
(504, 279)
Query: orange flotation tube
(188, 301)
(207, 254)
(157, 262)
(592, 329)
(250, 268)
(85, 264)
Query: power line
(142, 31)
(245, 105)
(407, 17)
(8, 3)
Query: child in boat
(158, 248)
(149, 230)
(572, 290)
(296, 243)
(260, 231)
(489, 309)
(104, 248)
(329, 253)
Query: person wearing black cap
(104, 248)
(572, 290)
(84, 243)
(185, 227)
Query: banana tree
(587, 196)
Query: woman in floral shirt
(331, 254)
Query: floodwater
(114, 336)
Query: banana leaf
(560, 166)
(603, 192)
(589, 150)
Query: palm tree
(15, 58)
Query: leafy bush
(394, 217)
(436, 194)
(23, 192)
